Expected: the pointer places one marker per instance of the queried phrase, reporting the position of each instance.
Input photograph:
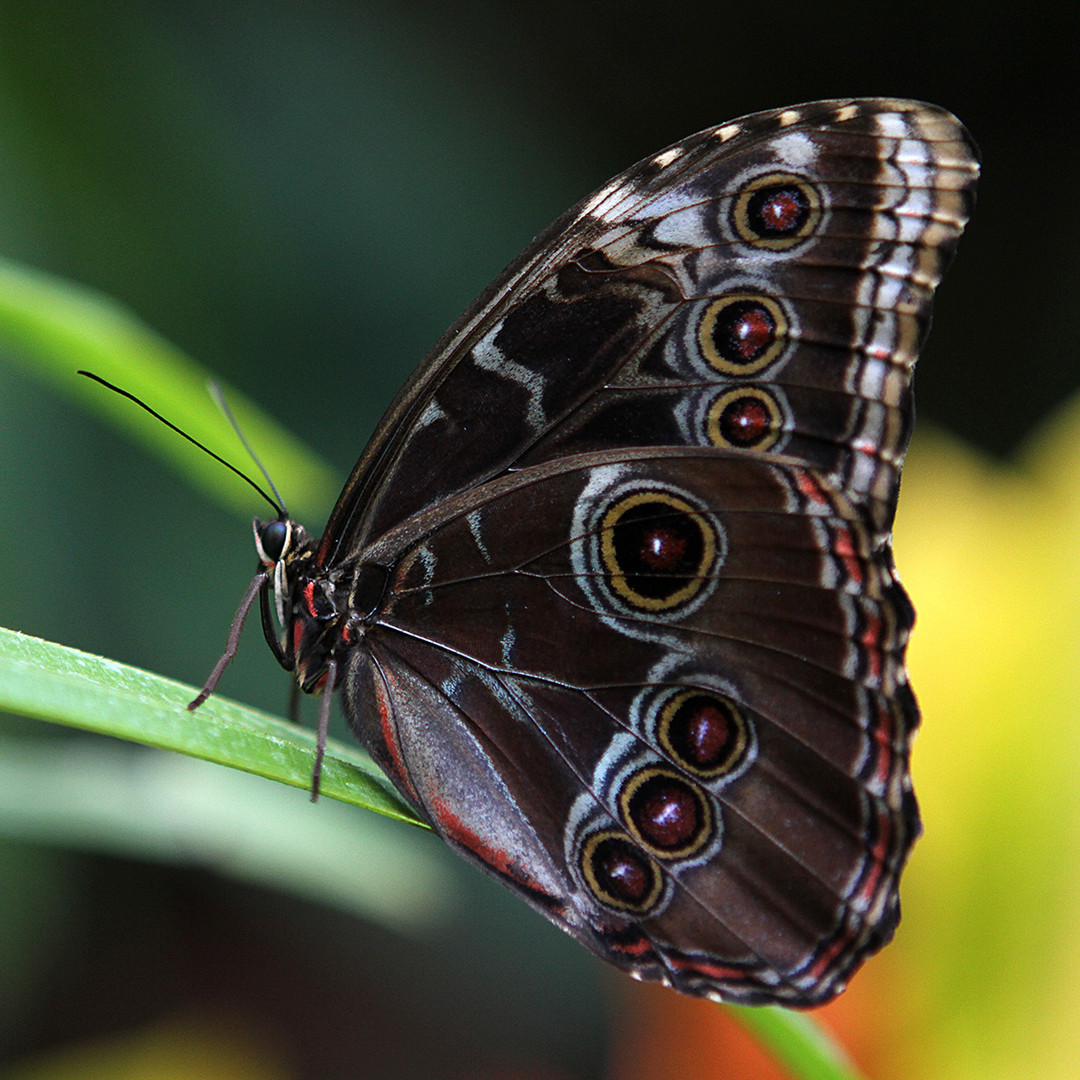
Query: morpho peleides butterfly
(610, 593)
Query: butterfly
(610, 596)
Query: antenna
(219, 397)
(279, 506)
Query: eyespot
(657, 550)
(742, 333)
(619, 874)
(668, 815)
(776, 211)
(704, 732)
(746, 418)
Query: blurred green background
(303, 196)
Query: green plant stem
(797, 1041)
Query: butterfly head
(281, 545)
(303, 599)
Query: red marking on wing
(861, 899)
(638, 946)
(870, 640)
(722, 972)
(828, 957)
(876, 859)
(883, 734)
(810, 488)
(843, 545)
(394, 757)
(454, 829)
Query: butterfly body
(610, 595)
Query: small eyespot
(742, 333)
(619, 874)
(776, 211)
(746, 418)
(668, 815)
(705, 733)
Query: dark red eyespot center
(708, 732)
(662, 549)
(744, 330)
(745, 421)
(752, 332)
(778, 210)
(705, 733)
(658, 548)
(623, 872)
(666, 812)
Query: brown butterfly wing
(639, 649)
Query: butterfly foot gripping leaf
(610, 594)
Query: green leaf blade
(50, 682)
(57, 327)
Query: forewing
(763, 285)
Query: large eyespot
(776, 211)
(747, 418)
(704, 732)
(741, 333)
(619, 874)
(666, 814)
(657, 550)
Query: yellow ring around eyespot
(740, 217)
(734, 756)
(588, 853)
(703, 834)
(707, 328)
(716, 409)
(617, 577)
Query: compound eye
(271, 538)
